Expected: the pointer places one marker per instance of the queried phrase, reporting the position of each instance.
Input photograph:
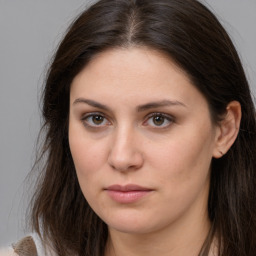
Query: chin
(133, 224)
(131, 229)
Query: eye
(159, 120)
(95, 120)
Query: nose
(125, 152)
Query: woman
(150, 137)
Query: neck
(174, 240)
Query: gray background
(29, 33)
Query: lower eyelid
(88, 124)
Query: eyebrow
(140, 108)
(91, 103)
(157, 104)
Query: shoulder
(25, 247)
(28, 246)
(8, 251)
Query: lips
(127, 194)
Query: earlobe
(228, 129)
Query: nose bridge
(125, 152)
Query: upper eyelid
(168, 116)
(88, 114)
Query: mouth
(127, 194)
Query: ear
(228, 129)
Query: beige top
(25, 247)
(28, 246)
(32, 246)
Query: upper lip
(128, 187)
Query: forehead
(137, 73)
(128, 62)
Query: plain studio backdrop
(30, 30)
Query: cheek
(87, 155)
(82, 156)
(183, 173)
(184, 161)
(87, 161)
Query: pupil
(97, 119)
(158, 120)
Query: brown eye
(97, 119)
(158, 120)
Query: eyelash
(165, 118)
(91, 115)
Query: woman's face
(142, 141)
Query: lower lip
(126, 197)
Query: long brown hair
(190, 35)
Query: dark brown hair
(190, 35)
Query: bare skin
(136, 120)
